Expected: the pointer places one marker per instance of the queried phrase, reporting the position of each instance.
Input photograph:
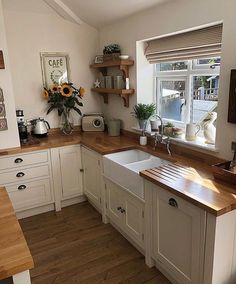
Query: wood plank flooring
(74, 246)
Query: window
(187, 91)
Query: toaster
(93, 122)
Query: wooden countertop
(216, 198)
(15, 256)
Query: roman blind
(205, 42)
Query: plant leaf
(77, 110)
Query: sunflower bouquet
(64, 98)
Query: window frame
(188, 75)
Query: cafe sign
(55, 68)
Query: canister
(109, 82)
(119, 82)
(114, 127)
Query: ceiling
(99, 13)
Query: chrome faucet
(160, 137)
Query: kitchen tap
(160, 137)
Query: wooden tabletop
(15, 256)
(189, 184)
(204, 191)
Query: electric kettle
(40, 127)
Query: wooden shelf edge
(123, 93)
(105, 64)
(113, 91)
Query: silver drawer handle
(173, 202)
(20, 174)
(21, 187)
(18, 160)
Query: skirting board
(73, 201)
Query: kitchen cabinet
(28, 180)
(67, 173)
(178, 236)
(126, 211)
(92, 176)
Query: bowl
(123, 57)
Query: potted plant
(111, 52)
(64, 98)
(143, 112)
(168, 129)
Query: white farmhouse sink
(123, 168)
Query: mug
(191, 131)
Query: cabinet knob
(20, 174)
(122, 210)
(173, 202)
(119, 208)
(81, 170)
(21, 187)
(18, 160)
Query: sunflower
(82, 91)
(45, 94)
(66, 90)
(54, 88)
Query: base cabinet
(67, 173)
(126, 211)
(92, 176)
(178, 236)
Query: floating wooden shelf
(124, 67)
(121, 92)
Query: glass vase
(67, 123)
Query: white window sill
(198, 143)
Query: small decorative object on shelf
(64, 98)
(97, 84)
(209, 130)
(111, 52)
(143, 112)
(98, 59)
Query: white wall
(33, 27)
(8, 138)
(168, 18)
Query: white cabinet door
(126, 211)
(70, 166)
(178, 236)
(92, 175)
(114, 203)
(134, 218)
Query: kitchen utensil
(192, 131)
(40, 127)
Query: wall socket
(233, 146)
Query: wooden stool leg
(22, 278)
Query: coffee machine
(22, 126)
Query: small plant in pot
(143, 112)
(111, 52)
(168, 129)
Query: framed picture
(98, 59)
(3, 124)
(2, 110)
(55, 68)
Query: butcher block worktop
(199, 187)
(15, 256)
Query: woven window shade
(186, 46)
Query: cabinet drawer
(30, 194)
(23, 174)
(21, 160)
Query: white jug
(192, 131)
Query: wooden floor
(74, 246)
